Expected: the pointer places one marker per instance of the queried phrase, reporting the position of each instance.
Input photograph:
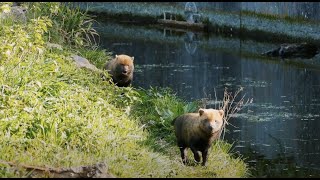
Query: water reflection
(282, 166)
(191, 42)
(279, 131)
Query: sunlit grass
(156, 112)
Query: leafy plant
(70, 25)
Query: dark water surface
(278, 134)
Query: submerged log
(297, 50)
(98, 170)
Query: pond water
(278, 134)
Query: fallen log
(98, 170)
(297, 50)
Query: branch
(231, 107)
(95, 171)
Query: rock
(83, 62)
(17, 13)
(297, 50)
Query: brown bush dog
(121, 70)
(197, 131)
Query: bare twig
(215, 95)
(204, 101)
(229, 106)
(95, 171)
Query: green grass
(54, 114)
(286, 18)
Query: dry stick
(95, 171)
(237, 92)
(227, 106)
(204, 100)
(233, 98)
(225, 102)
(241, 105)
(226, 118)
(215, 95)
(235, 108)
(229, 109)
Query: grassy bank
(53, 114)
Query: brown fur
(197, 131)
(121, 70)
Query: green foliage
(70, 25)
(97, 57)
(284, 17)
(22, 40)
(158, 108)
(155, 111)
(5, 7)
